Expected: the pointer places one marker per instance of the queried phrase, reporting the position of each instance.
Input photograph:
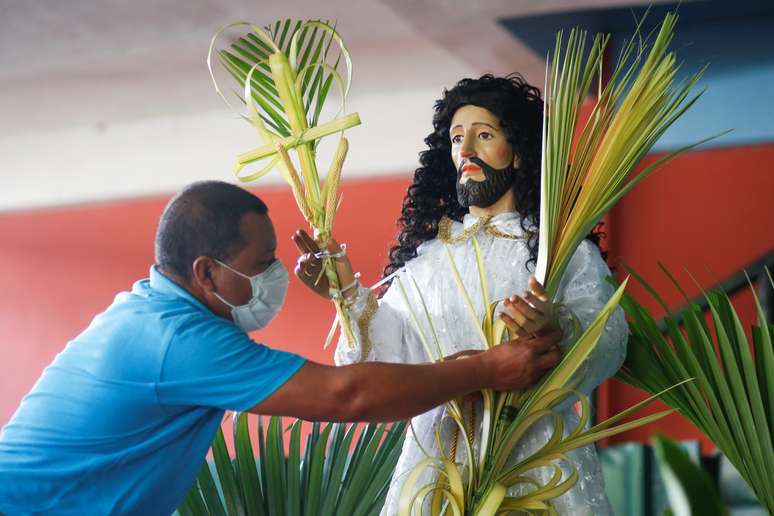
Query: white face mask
(269, 290)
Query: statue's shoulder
(429, 247)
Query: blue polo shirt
(121, 420)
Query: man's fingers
(549, 359)
(542, 342)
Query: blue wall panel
(736, 40)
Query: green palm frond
(731, 398)
(317, 63)
(327, 477)
(689, 488)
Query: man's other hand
(518, 364)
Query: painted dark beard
(487, 192)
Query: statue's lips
(470, 170)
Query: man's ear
(516, 161)
(202, 272)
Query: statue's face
(482, 155)
(476, 132)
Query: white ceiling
(106, 99)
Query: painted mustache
(487, 192)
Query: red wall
(709, 211)
(58, 268)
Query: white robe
(394, 338)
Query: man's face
(482, 156)
(254, 258)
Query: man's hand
(529, 313)
(308, 267)
(518, 364)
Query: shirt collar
(164, 285)
(509, 221)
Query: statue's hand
(529, 313)
(308, 267)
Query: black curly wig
(432, 194)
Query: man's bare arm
(378, 391)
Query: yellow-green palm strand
(310, 135)
(285, 80)
(559, 489)
(492, 500)
(506, 445)
(488, 420)
(295, 183)
(585, 344)
(415, 320)
(257, 175)
(455, 482)
(487, 322)
(466, 296)
(344, 50)
(547, 458)
(332, 183)
(436, 503)
(588, 437)
(407, 491)
(420, 495)
(259, 33)
(436, 340)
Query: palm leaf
(227, 476)
(332, 479)
(338, 461)
(314, 465)
(690, 489)
(247, 471)
(294, 497)
(193, 504)
(730, 400)
(584, 173)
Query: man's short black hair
(203, 220)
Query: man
(120, 422)
(479, 179)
